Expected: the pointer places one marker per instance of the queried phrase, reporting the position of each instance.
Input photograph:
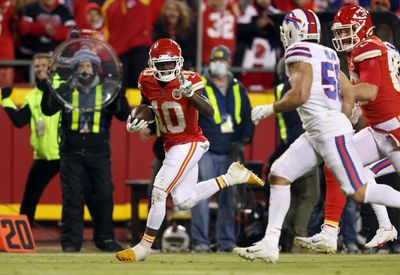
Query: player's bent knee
(187, 204)
(277, 180)
(158, 195)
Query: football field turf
(105, 263)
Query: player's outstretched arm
(301, 77)
(347, 93)
(202, 104)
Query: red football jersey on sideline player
(178, 118)
(387, 102)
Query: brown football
(144, 112)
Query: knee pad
(187, 204)
(158, 195)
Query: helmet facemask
(346, 38)
(166, 68)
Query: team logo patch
(176, 94)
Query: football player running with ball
(315, 79)
(175, 96)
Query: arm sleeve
(19, 117)
(49, 103)
(370, 71)
(297, 53)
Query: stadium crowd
(249, 30)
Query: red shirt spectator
(288, 5)
(127, 24)
(219, 23)
(6, 42)
(128, 27)
(6, 37)
(43, 26)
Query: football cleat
(381, 237)
(260, 250)
(321, 242)
(133, 254)
(237, 174)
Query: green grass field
(105, 263)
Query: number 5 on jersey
(330, 80)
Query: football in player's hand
(144, 112)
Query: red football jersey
(177, 117)
(387, 103)
(219, 29)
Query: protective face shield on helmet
(85, 74)
(175, 239)
(165, 59)
(299, 25)
(351, 25)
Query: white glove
(186, 88)
(135, 125)
(261, 112)
(355, 114)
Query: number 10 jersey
(177, 118)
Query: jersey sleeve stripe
(198, 86)
(366, 55)
(298, 53)
(298, 48)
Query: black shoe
(109, 245)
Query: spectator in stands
(380, 5)
(288, 5)
(43, 25)
(6, 42)
(128, 28)
(258, 43)
(91, 19)
(85, 163)
(175, 23)
(305, 191)
(231, 127)
(257, 36)
(44, 137)
(219, 21)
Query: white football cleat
(381, 237)
(321, 242)
(260, 250)
(237, 174)
(133, 254)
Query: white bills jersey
(321, 114)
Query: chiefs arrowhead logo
(360, 14)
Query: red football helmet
(351, 25)
(166, 59)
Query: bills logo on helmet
(291, 17)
